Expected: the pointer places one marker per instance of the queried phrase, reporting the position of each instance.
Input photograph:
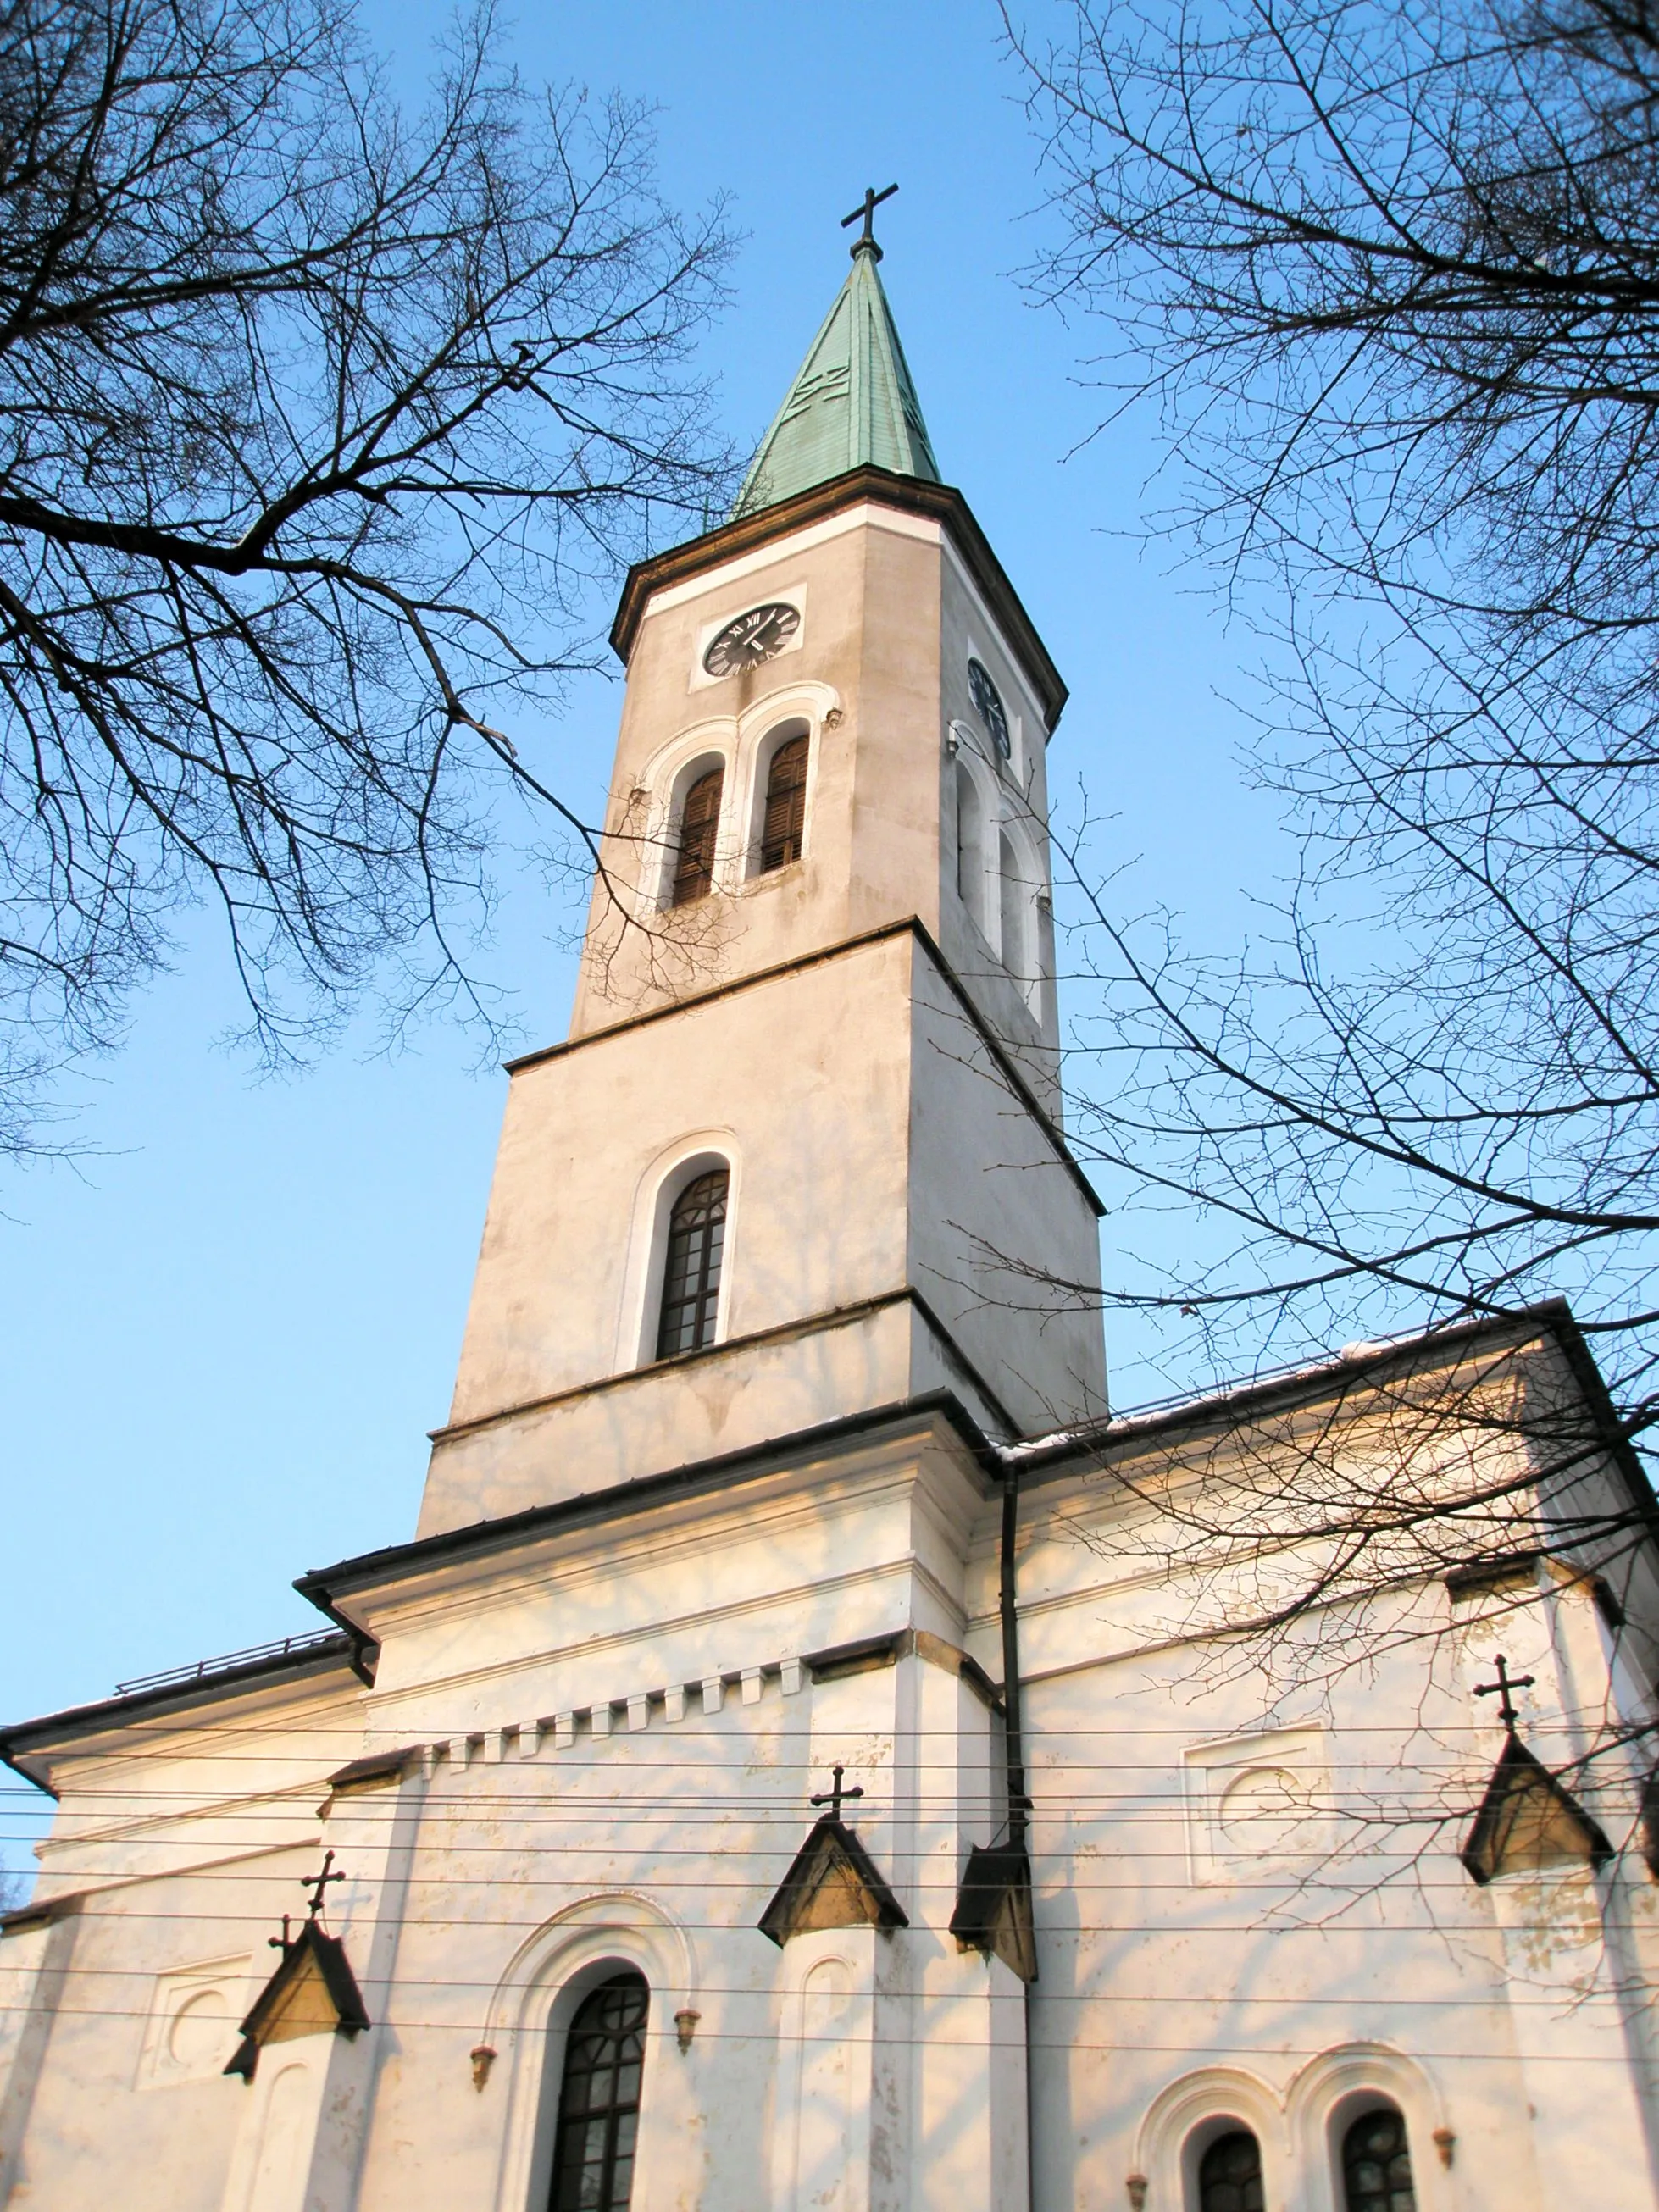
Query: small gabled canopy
(853, 405)
(1529, 1820)
(833, 1883)
(992, 1911)
(313, 1990)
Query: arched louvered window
(1230, 2174)
(970, 849)
(785, 819)
(599, 2099)
(1377, 2165)
(1015, 958)
(700, 823)
(691, 1266)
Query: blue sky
(226, 1333)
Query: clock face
(986, 699)
(752, 638)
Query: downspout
(1019, 1802)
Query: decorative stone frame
(794, 595)
(851, 1953)
(778, 733)
(1332, 2091)
(1185, 2119)
(681, 1163)
(662, 852)
(227, 1980)
(529, 2017)
(278, 2125)
(793, 710)
(742, 747)
(1211, 1767)
(1300, 2131)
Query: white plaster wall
(1202, 1964)
(769, 1073)
(726, 1400)
(1014, 799)
(853, 1542)
(1191, 1972)
(996, 1219)
(881, 1149)
(184, 1837)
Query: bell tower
(809, 1099)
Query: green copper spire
(853, 403)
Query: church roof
(852, 405)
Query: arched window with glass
(594, 2150)
(1377, 2164)
(783, 821)
(1230, 2174)
(691, 1266)
(699, 829)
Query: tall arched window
(599, 2099)
(1230, 2174)
(1377, 2165)
(785, 819)
(970, 851)
(691, 1266)
(700, 823)
(1014, 957)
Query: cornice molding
(939, 503)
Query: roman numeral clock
(759, 635)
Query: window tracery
(1377, 2164)
(1230, 2174)
(599, 2098)
(691, 1266)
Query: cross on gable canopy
(311, 1991)
(832, 1882)
(1527, 1820)
(1501, 1689)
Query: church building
(812, 1756)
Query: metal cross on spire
(833, 1795)
(318, 1883)
(871, 200)
(1501, 1688)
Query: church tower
(801, 1155)
(779, 1778)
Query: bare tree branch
(317, 421)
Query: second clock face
(752, 639)
(988, 702)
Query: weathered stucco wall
(883, 1147)
(609, 1738)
